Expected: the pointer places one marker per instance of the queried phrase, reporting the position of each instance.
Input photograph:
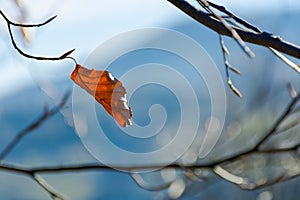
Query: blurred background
(26, 86)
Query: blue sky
(85, 24)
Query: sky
(85, 24)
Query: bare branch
(286, 60)
(253, 28)
(31, 56)
(10, 23)
(231, 15)
(213, 21)
(229, 67)
(140, 182)
(27, 25)
(34, 125)
(256, 148)
(263, 39)
(233, 88)
(234, 34)
(37, 178)
(34, 172)
(43, 183)
(283, 116)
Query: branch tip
(233, 88)
(65, 55)
(49, 20)
(231, 68)
(292, 91)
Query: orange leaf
(107, 90)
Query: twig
(38, 122)
(229, 67)
(253, 28)
(31, 56)
(256, 147)
(215, 22)
(283, 116)
(10, 23)
(231, 15)
(38, 179)
(234, 34)
(32, 172)
(263, 39)
(34, 125)
(286, 60)
(140, 182)
(26, 25)
(270, 43)
(43, 183)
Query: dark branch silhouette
(222, 26)
(10, 23)
(35, 173)
(26, 25)
(263, 39)
(34, 125)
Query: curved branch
(34, 172)
(10, 23)
(263, 39)
(31, 56)
(34, 125)
(43, 183)
(27, 25)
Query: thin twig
(257, 146)
(283, 116)
(231, 15)
(286, 60)
(274, 43)
(26, 25)
(234, 34)
(96, 166)
(219, 26)
(52, 192)
(34, 125)
(140, 182)
(253, 28)
(32, 172)
(10, 23)
(263, 39)
(229, 67)
(37, 178)
(31, 56)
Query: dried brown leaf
(107, 90)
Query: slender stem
(43, 183)
(10, 23)
(34, 125)
(251, 27)
(234, 34)
(27, 25)
(263, 39)
(231, 15)
(283, 116)
(31, 56)
(257, 147)
(229, 67)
